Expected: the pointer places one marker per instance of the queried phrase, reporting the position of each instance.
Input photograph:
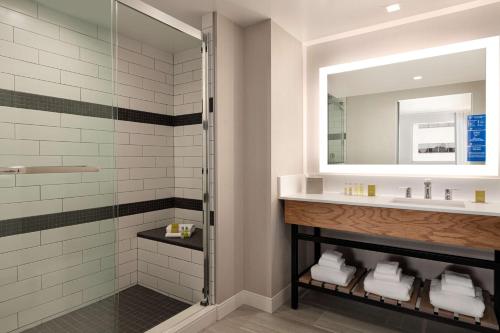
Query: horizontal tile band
(23, 100)
(57, 220)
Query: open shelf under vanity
(419, 303)
(334, 217)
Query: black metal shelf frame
(317, 239)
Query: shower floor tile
(137, 309)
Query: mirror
(424, 111)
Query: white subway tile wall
(171, 270)
(187, 140)
(48, 273)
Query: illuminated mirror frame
(490, 168)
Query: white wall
(257, 166)
(286, 141)
(229, 109)
(472, 24)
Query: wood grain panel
(477, 231)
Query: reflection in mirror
(425, 111)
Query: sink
(429, 202)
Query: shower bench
(445, 228)
(171, 265)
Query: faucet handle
(448, 193)
(407, 191)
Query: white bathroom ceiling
(306, 19)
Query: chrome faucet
(407, 191)
(448, 193)
(427, 189)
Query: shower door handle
(15, 170)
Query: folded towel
(388, 277)
(387, 267)
(340, 277)
(464, 280)
(332, 255)
(396, 290)
(457, 289)
(466, 305)
(332, 264)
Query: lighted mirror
(428, 112)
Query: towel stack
(388, 280)
(179, 230)
(331, 268)
(455, 292)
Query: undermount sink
(429, 202)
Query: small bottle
(349, 185)
(346, 190)
(361, 189)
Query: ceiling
(305, 19)
(437, 71)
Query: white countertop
(472, 208)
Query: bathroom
(191, 166)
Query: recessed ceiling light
(418, 77)
(393, 8)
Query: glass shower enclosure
(102, 145)
(336, 130)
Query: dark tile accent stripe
(191, 204)
(60, 105)
(188, 119)
(50, 221)
(144, 117)
(211, 104)
(212, 217)
(337, 136)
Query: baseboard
(280, 298)
(198, 320)
(229, 305)
(245, 297)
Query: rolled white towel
(332, 255)
(457, 289)
(458, 279)
(396, 290)
(466, 305)
(332, 264)
(388, 277)
(340, 277)
(387, 267)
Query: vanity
(381, 216)
(430, 113)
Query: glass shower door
(336, 130)
(57, 175)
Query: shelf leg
(496, 284)
(295, 267)
(317, 245)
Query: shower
(104, 142)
